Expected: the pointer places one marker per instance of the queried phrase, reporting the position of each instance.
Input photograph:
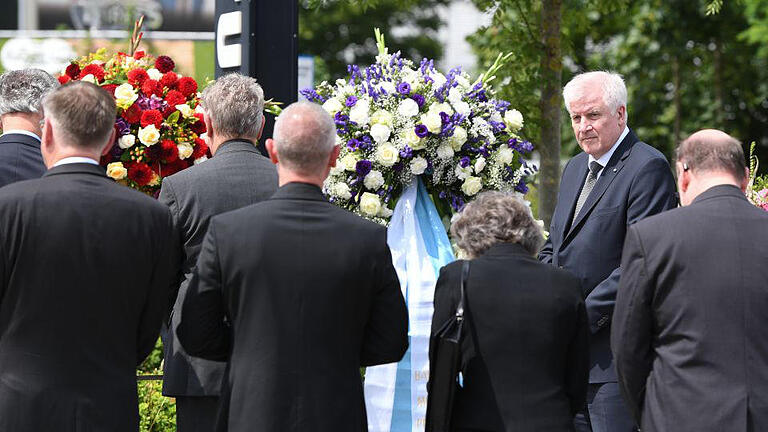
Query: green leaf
(173, 118)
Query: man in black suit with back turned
(21, 95)
(616, 181)
(689, 332)
(237, 176)
(297, 294)
(87, 268)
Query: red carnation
(168, 111)
(92, 69)
(169, 152)
(64, 79)
(150, 87)
(164, 64)
(132, 114)
(137, 76)
(73, 70)
(187, 86)
(174, 97)
(138, 55)
(198, 127)
(169, 80)
(149, 117)
(140, 173)
(110, 88)
(201, 149)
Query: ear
(745, 181)
(622, 113)
(261, 130)
(334, 156)
(208, 127)
(110, 143)
(272, 150)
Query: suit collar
(722, 190)
(506, 249)
(77, 168)
(235, 146)
(301, 191)
(609, 172)
(20, 138)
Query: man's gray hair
(712, 151)
(82, 113)
(22, 91)
(304, 136)
(614, 89)
(496, 217)
(235, 104)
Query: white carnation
(418, 165)
(439, 79)
(445, 151)
(441, 107)
(154, 74)
(408, 108)
(505, 155)
(382, 117)
(359, 112)
(126, 141)
(374, 180)
(462, 108)
(380, 133)
(454, 96)
(342, 191)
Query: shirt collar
(21, 132)
(75, 159)
(604, 159)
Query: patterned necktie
(589, 184)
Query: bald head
(304, 138)
(713, 151)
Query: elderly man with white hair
(297, 294)
(616, 181)
(21, 115)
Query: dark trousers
(196, 413)
(606, 411)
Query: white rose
(441, 107)
(411, 139)
(117, 171)
(374, 180)
(462, 108)
(387, 155)
(463, 173)
(341, 83)
(432, 121)
(380, 133)
(389, 87)
(89, 78)
(185, 110)
(459, 138)
(185, 150)
(154, 74)
(462, 81)
(333, 106)
(125, 95)
(149, 135)
(445, 151)
(370, 204)
(349, 162)
(341, 190)
(479, 164)
(201, 159)
(359, 112)
(505, 155)
(439, 79)
(409, 75)
(408, 108)
(514, 120)
(382, 117)
(472, 185)
(126, 141)
(418, 165)
(385, 212)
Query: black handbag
(447, 363)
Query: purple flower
(122, 126)
(526, 146)
(521, 187)
(445, 118)
(363, 167)
(312, 95)
(406, 152)
(404, 88)
(465, 161)
(353, 144)
(419, 99)
(421, 130)
(351, 101)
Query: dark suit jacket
(297, 294)
(690, 331)
(235, 177)
(86, 270)
(637, 182)
(20, 158)
(532, 357)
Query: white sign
(230, 24)
(50, 55)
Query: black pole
(268, 40)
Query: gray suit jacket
(237, 176)
(689, 329)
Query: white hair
(22, 91)
(614, 89)
(234, 104)
(304, 136)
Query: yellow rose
(117, 171)
(125, 95)
(149, 135)
(370, 204)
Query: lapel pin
(614, 170)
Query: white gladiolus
(380, 133)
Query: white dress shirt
(22, 132)
(75, 159)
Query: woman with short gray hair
(526, 321)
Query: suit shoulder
(644, 151)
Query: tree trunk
(677, 102)
(550, 105)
